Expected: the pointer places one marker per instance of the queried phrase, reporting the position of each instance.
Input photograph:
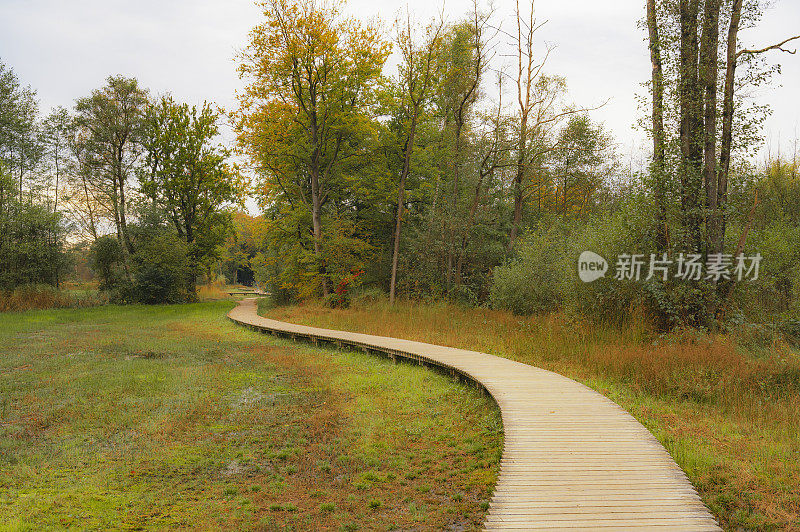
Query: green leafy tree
(189, 177)
(241, 247)
(57, 133)
(581, 160)
(417, 83)
(20, 143)
(109, 127)
(32, 246)
(701, 121)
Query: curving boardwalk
(573, 459)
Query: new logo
(591, 266)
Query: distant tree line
(142, 178)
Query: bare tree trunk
(316, 221)
(566, 183)
(58, 170)
(525, 76)
(401, 193)
(658, 170)
(709, 45)
(454, 204)
(120, 205)
(120, 238)
(92, 225)
(519, 178)
(691, 124)
(451, 219)
(727, 123)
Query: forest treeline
(465, 173)
(134, 185)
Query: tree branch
(778, 46)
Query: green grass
(161, 417)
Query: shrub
(161, 271)
(31, 246)
(543, 275)
(533, 280)
(105, 260)
(778, 286)
(464, 295)
(340, 298)
(365, 296)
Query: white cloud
(187, 47)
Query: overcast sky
(64, 49)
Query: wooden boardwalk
(572, 460)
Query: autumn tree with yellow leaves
(313, 76)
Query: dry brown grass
(728, 415)
(212, 292)
(37, 297)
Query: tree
(581, 160)
(31, 245)
(466, 52)
(493, 147)
(416, 86)
(688, 34)
(658, 167)
(109, 131)
(312, 75)
(83, 199)
(686, 38)
(189, 177)
(540, 112)
(241, 247)
(57, 130)
(20, 145)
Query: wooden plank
(572, 458)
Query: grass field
(728, 413)
(133, 417)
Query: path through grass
(729, 415)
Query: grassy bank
(161, 417)
(729, 413)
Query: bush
(533, 281)
(31, 246)
(543, 275)
(464, 295)
(366, 296)
(340, 298)
(105, 260)
(161, 271)
(778, 286)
